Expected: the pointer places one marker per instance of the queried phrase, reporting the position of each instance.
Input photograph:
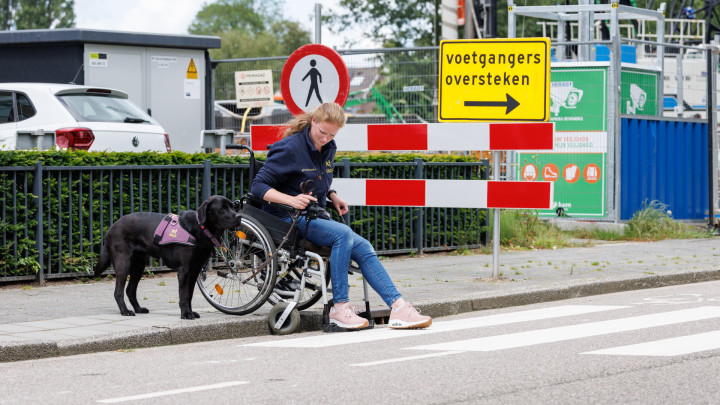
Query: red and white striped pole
(427, 137)
(445, 193)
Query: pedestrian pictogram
(315, 77)
(192, 72)
(495, 80)
(312, 75)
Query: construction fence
(401, 86)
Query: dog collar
(207, 232)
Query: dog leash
(209, 234)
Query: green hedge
(73, 201)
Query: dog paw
(196, 314)
(142, 310)
(187, 315)
(127, 313)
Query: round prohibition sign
(314, 74)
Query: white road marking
(334, 339)
(535, 337)
(172, 392)
(399, 359)
(667, 347)
(224, 361)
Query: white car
(82, 117)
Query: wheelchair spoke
(238, 287)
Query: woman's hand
(301, 201)
(339, 204)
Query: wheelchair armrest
(259, 202)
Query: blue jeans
(347, 245)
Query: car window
(6, 107)
(95, 107)
(25, 107)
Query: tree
(393, 23)
(36, 14)
(249, 28)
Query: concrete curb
(249, 326)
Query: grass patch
(523, 229)
(653, 222)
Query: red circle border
(314, 49)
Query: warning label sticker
(192, 72)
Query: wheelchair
(270, 260)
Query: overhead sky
(175, 16)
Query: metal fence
(396, 85)
(401, 85)
(53, 219)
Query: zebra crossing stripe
(335, 339)
(536, 337)
(667, 347)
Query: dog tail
(104, 260)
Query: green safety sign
(579, 181)
(638, 92)
(578, 99)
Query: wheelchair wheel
(291, 324)
(236, 286)
(287, 284)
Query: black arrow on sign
(511, 104)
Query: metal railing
(53, 219)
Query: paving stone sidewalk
(65, 318)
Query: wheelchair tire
(292, 323)
(283, 291)
(238, 291)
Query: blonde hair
(326, 112)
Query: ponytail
(326, 112)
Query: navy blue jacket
(291, 161)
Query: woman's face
(322, 133)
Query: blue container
(667, 161)
(628, 53)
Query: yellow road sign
(495, 80)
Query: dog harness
(169, 231)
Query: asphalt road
(658, 346)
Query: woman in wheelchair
(304, 156)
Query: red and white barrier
(446, 193)
(427, 137)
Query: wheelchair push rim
(237, 285)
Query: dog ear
(202, 211)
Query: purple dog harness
(169, 231)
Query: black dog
(131, 239)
